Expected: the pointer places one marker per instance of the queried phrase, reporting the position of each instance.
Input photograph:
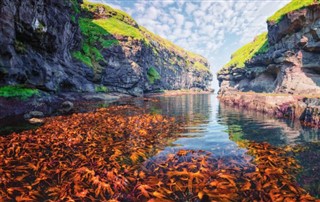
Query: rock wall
(294, 107)
(292, 63)
(38, 37)
(127, 70)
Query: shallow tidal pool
(167, 148)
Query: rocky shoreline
(282, 78)
(306, 109)
(67, 103)
(51, 104)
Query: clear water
(209, 123)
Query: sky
(212, 28)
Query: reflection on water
(220, 147)
(258, 127)
(209, 123)
(216, 128)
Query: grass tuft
(17, 92)
(101, 89)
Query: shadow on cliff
(120, 65)
(107, 55)
(311, 67)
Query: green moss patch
(95, 39)
(17, 92)
(244, 54)
(200, 67)
(153, 75)
(75, 6)
(292, 6)
(118, 27)
(101, 89)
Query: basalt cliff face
(291, 65)
(76, 46)
(283, 77)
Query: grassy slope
(260, 44)
(17, 92)
(292, 6)
(118, 23)
(96, 38)
(245, 53)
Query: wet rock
(66, 107)
(36, 121)
(34, 114)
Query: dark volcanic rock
(37, 38)
(290, 66)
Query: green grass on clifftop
(103, 26)
(244, 54)
(201, 67)
(292, 6)
(109, 11)
(17, 92)
(117, 27)
(96, 38)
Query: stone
(34, 114)
(36, 121)
(66, 107)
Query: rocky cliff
(279, 72)
(286, 62)
(59, 46)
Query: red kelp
(86, 156)
(199, 176)
(104, 156)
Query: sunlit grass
(96, 38)
(103, 33)
(292, 6)
(245, 53)
(116, 13)
(200, 66)
(17, 92)
(117, 27)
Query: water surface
(209, 124)
(225, 137)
